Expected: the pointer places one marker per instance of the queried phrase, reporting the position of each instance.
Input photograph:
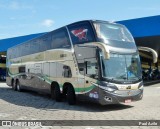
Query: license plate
(127, 101)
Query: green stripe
(84, 89)
(13, 75)
(77, 89)
(49, 81)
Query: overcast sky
(24, 17)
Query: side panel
(38, 78)
(58, 65)
(46, 75)
(29, 80)
(46, 69)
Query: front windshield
(122, 67)
(111, 31)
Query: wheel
(56, 93)
(14, 85)
(71, 97)
(18, 86)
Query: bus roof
(78, 22)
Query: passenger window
(9, 54)
(45, 42)
(18, 52)
(14, 53)
(67, 71)
(26, 48)
(60, 39)
(22, 69)
(41, 46)
(33, 47)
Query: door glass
(92, 68)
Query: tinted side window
(20, 50)
(22, 69)
(14, 53)
(92, 68)
(9, 54)
(60, 39)
(81, 33)
(33, 47)
(67, 71)
(45, 42)
(26, 48)
(36, 45)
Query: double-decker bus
(89, 60)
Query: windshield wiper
(123, 76)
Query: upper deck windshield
(110, 31)
(121, 67)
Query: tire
(18, 86)
(14, 85)
(56, 93)
(71, 97)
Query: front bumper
(119, 96)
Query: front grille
(127, 92)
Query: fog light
(108, 99)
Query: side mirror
(106, 55)
(103, 47)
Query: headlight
(141, 87)
(110, 89)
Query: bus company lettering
(94, 95)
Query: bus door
(87, 64)
(91, 76)
(91, 69)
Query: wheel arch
(53, 85)
(65, 87)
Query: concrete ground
(33, 106)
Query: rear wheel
(56, 93)
(71, 97)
